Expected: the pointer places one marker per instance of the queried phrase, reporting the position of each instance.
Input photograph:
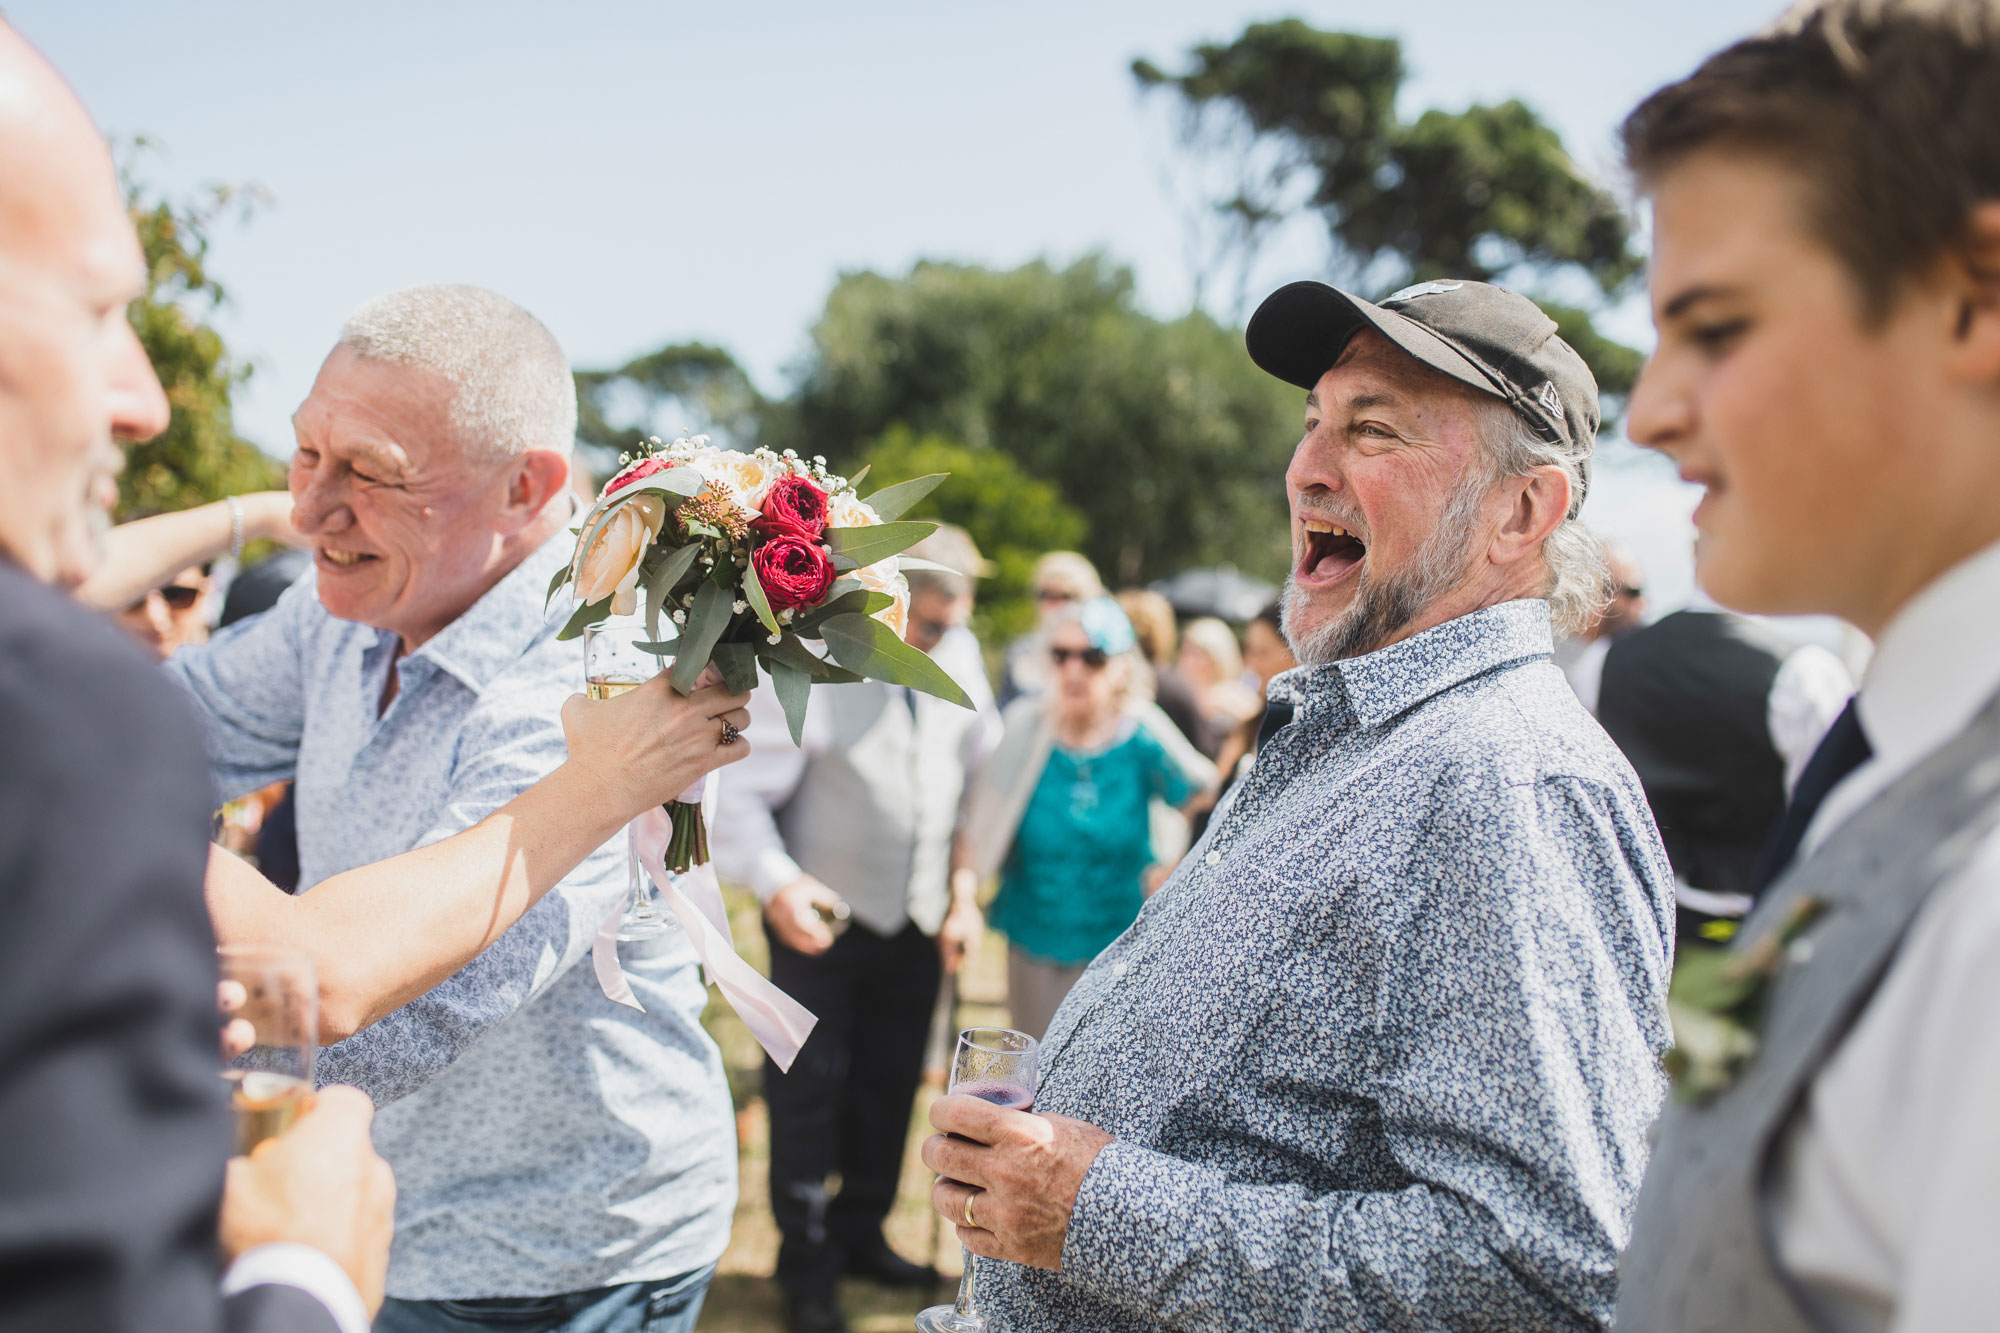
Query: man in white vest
(1826, 283)
(847, 841)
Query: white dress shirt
(1888, 1190)
(311, 1271)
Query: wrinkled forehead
(366, 407)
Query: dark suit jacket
(113, 1123)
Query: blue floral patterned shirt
(1383, 1053)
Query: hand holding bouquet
(739, 560)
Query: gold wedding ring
(968, 1210)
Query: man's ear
(1537, 503)
(1974, 282)
(536, 478)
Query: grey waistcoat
(873, 815)
(1701, 1255)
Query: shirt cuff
(312, 1271)
(1129, 1235)
(771, 871)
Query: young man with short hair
(1826, 281)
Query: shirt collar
(493, 633)
(1937, 661)
(1378, 686)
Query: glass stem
(641, 883)
(967, 1308)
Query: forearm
(383, 934)
(142, 555)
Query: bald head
(73, 379)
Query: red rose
(795, 503)
(644, 468)
(793, 570)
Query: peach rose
(610, 568)
(884, 576)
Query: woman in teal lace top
(1072, 879)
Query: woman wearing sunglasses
(1064, 808)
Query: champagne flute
(998, 1065)
(271, 1083)
(613, 662)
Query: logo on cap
(1551, 399)
(1420, 289)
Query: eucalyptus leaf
(707, 618)
(892, 502)
(588, 613)
(865, 645)
(667, 574)
(753, 593)
(856, 599)
(856, 480)
(864, 546)
(738, 664)
(658, 647)
(794, 688)
(555, 585)
(793, 652)
(676, 484)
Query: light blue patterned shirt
(545, 1140)
(1383, 1053)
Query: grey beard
(1383, 606)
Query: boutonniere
(1717, 1004)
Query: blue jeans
(669, 1305)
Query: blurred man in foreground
(1383, 1051)
(114, 1126)
(1826, 283)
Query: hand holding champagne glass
(997, 1065)
(276, 1010)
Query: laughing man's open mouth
(1331, 551)
(344, 559)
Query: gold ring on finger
(972, 1225)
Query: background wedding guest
(1153, 622)
(114, 1125)
(161, 619)
(453, 818)
(860, 816)
(1063, 811)
(1826, 285)
(1718, 715)
(1212, 661)
(1621, 610)
(1266, 655)
(1384, 1051)
(1061, 580)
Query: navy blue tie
(1844, 749)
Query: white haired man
(565, 1161)
(1382, 1053)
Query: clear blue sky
(642, 173)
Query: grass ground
(743, 1298)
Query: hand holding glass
(271, 1083)
(613, 663)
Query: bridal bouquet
(740, 559)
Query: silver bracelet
(235, 526)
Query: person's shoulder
(1521, 727)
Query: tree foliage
(1161, 434)
(691, 387)
(1012, 516)
(199, 457)
(1301, 120)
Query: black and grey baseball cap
(1497, 341)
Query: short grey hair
(514, 390)
(1578, 583)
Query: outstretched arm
(377, 945)
(142, 555)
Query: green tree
(690, 387)
(1161, 434)
(199, 457)
(1290, 119)
(1013, 517)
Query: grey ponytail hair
(1579, 583)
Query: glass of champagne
(613, 662)
(272, 988)
(998, 1065)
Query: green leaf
(855, 599)
(856, 480)
(864, 546)
(753, 593)
(793, 653)
(793, 687)
(658, 647)
(866, 645)
(667, 573)
(892, 502)
(738, 664)
(676, 484)
(555, 584)
(586, 614)
(707, 618)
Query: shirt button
(1118, 969)
(1213, 858)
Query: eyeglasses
(930, 629)
(1628, 591)
(178, 597)
(1094, 658)
(1055, 595)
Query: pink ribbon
(778, 1022)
